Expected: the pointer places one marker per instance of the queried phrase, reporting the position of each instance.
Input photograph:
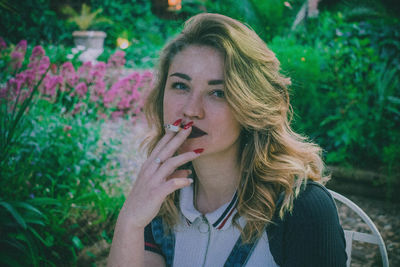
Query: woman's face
(194, 91)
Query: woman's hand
(158, 178)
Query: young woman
(227, 182)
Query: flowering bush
(102, 90)
(55, 193)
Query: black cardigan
(311, 235)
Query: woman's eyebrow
(215, 82)
(181, 75)
(188, 78)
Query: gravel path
(386, 217)
(127, 137)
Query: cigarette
(172, 128)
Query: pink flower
(116, 114)
(16, 60)
(109, 96)
(35, 71)
(98, 91)
(37, 53)
(18, 55)
(77, 108)
(124, 104)
(84, 72)
(68, 72)
(101, 115)
(101, 67)
(67, 128)
(98, 72)
(21, 46)
(14, 86)
(3, 44)
(3, 93)
(117, 60)
(124, 94)
(44, 64)
(50, 85)
(81, 89)
(53, 68)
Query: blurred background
(74, 74)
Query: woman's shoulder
(313, 204)
(309, 235)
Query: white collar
(220, 219)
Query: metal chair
(374, 238)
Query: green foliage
(85, 19)
(60, 54)
(56, 176)
(346, 90)
(304, 65)
(268, 18)
(53, 182)
(134, 21)
(41, 21)
(35, 21)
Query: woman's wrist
(129, 222)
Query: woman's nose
(193, 107)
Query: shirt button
(203, 228)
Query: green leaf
(44, 201)
(48, 242)
(394, 100)
(77, 243)
(14, 213)
(86, 198)
(29, 207)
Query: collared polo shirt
(208, 239)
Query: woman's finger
(166, 138)
(179, 173)
(156, 160)
(174, 184)
(170, 166)
(170, 148)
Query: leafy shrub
(54, 182)
(35, 21)
(346, 89)
(55, 176)
(268, 18)
(305, 66)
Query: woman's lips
(196, 132)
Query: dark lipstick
(196, 132)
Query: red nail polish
(198, 151)
(177, 122)
(187, 126)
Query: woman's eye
(179, 86)
(218, 93)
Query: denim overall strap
(240, 253)
(166, 242)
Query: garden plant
(55, 175)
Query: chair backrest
(374, 238)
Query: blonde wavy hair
(274, 160)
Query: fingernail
(190, 180)
(177, 122)
(198, 151)
(187, 126)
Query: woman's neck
(217, 181)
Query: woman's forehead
(198, 60)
